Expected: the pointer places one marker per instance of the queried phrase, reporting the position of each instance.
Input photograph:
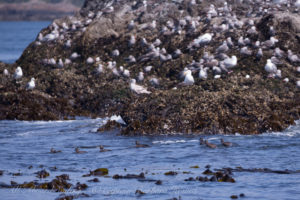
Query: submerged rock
(162, 40)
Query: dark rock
(94, 180)
(227, 105)
(98, 172)
(171, 173)
(159, 182)
(130, 176)
(234, 197)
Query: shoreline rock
(245, 101)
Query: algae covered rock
(85, 65)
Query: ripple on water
(28, 143)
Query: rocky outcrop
(248, 100)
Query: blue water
(16, 36)
(24, 144)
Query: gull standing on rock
(203, 73)
(18, 73)
(201, 40)
(270, 68)
(138, 88)
(188, 79)
(31, 84)
(5, 72)
(293, 58)
(230, 62)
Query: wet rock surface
(248, 100)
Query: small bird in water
(102, 149)
(138, 144)
(202, 141)
(226, 144)
(78, 151)
(210, 145)
(52, 150)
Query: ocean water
(16, 36)
(25, 144)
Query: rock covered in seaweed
(83, 66)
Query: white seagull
(138, 88)
(270, 67)
(188, 79)
(18, 73)
(31, 84)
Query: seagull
(203, 73)
(141, 76)
(148, 68)
(188, 79)
(68, 43)
(298, 84)
(223, 48)
(270, 67)
(99, 69)
(279, 53)
(138, 88)
(131, 25)
(90, 60)
(60, 63)
(270, 43)
(293, 58)
(18, 73)
(31, 84)
(74, 56)
(259, 54)
(115, 53)
(5, 72)
(286, 80)
(230, 62)
(201, 40)
(246, 51)
(131, 59)
(132, 41)
(126, 73)
(176, 53)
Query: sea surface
(16, 36)
(25, 149)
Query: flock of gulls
(218, 61)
